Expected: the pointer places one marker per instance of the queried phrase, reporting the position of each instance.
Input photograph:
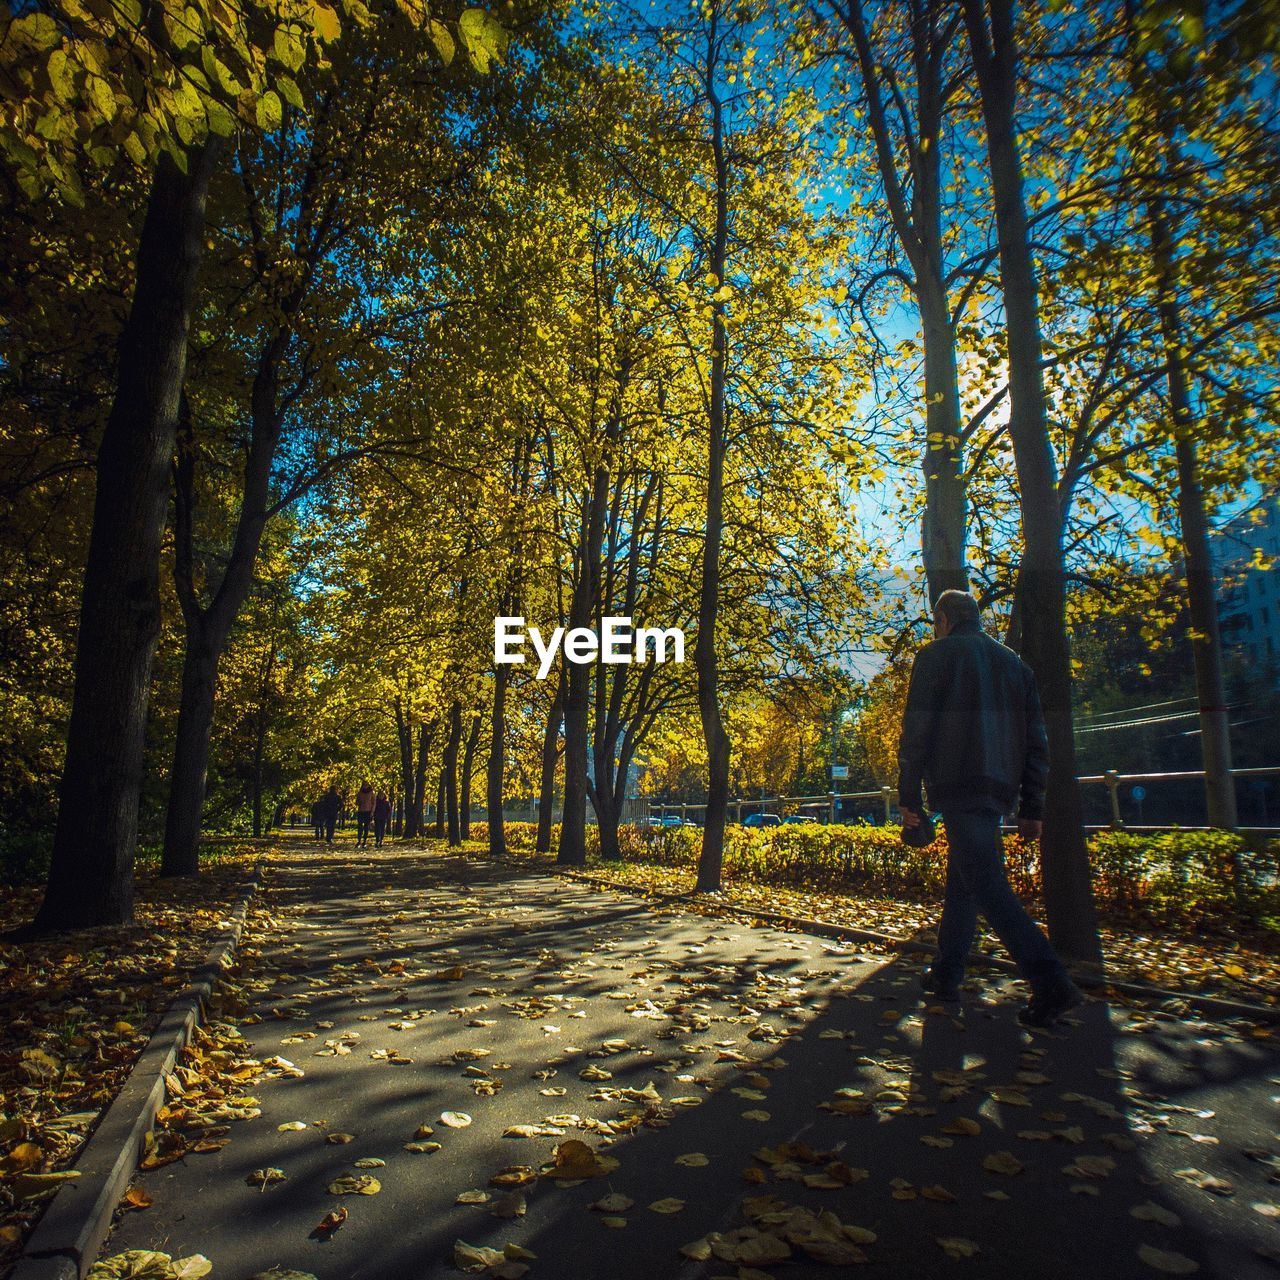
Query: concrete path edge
(1209, 1004)
(66, 1240)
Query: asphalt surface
(507, 979)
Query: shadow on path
(481, 973)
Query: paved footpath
(407, 985)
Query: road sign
(839, 773)
(1139, 794)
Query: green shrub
(1169, 877)
(24, 856)
(1185, 875)
(522, 837)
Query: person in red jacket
(364, 814)
(973, 735)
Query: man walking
(973, 734)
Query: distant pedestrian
(364, 814)
(973, 733)
(331, 806)
(381, 817)
(317, 819)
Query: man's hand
(910, 818)
(1029, 829)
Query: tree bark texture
(1068, 890)
(91, 873)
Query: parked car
(762, 820)
(799, 817)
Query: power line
(1139, 724)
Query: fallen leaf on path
(1149, 1211)
(1003, 1162)
(265, 1177)
(25, 1156)
(1206, 1182)
(574, 1159)
(448, 975)
(1166, 1261)
(512, 1205)
(361, 1186)
(616, 1203)
(475, 1258)
(693, 1160)
(1090, 1167)
(329, 1223)
(455, 1119)
(958, 1246)
(670, 1204)
(148, 1264)
(29, 1185)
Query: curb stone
(1210, 1004)
(69, 1235)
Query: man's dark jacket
(973, 731)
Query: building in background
(1246, 555)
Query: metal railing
(831, 801)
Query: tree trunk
(706, 661)
(916, 217)
(1206, 637)
(468, 766)
(404, 737)
(607, 815)
(1068, 891)
(259, 752)
(452, 743)
(208, 627)
(1202, 600)
(91, 873)
(191, 758)
(577, 677)
(442, 788)
(497, 766)
(945, 519)
(425, 735)
(547, 783)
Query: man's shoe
(1047, 1006)
(932, 985)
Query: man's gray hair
(957, 607)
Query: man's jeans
(976, 882)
